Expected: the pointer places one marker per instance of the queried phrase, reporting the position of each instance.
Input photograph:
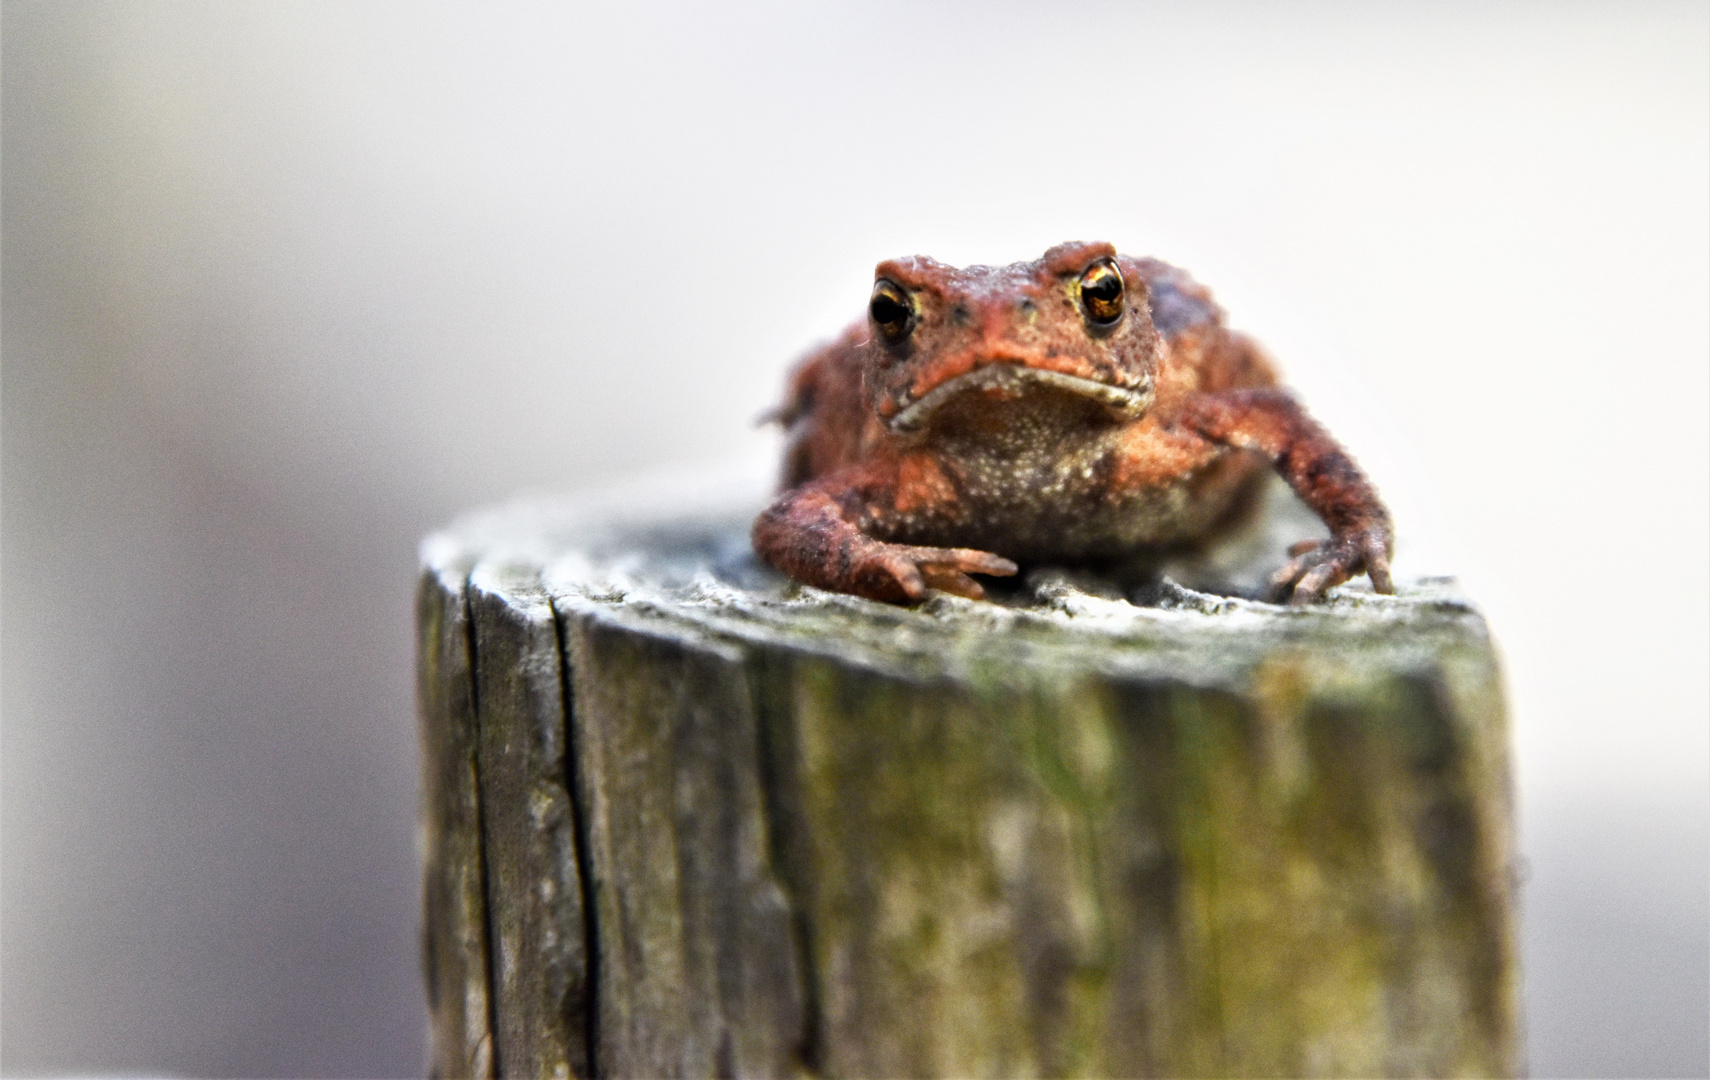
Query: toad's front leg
(813, 534)
(1272, 423)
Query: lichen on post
(1065, 833)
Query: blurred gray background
(287, 285)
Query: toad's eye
(891, 310)
(1101, 292)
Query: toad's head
(1073, 326)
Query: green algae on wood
(1065, 834)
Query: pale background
(288, 285)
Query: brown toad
(1086, 408)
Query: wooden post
(685, 818)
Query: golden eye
(891, 310)
(1101, 292)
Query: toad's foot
(1319, 565)
(903, 572)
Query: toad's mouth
(1014, 380)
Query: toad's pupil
(1105, 286)
(887, 310)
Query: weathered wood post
(684, 818)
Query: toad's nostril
(960, 314)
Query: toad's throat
(1013, 380)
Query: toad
(1085, 409)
